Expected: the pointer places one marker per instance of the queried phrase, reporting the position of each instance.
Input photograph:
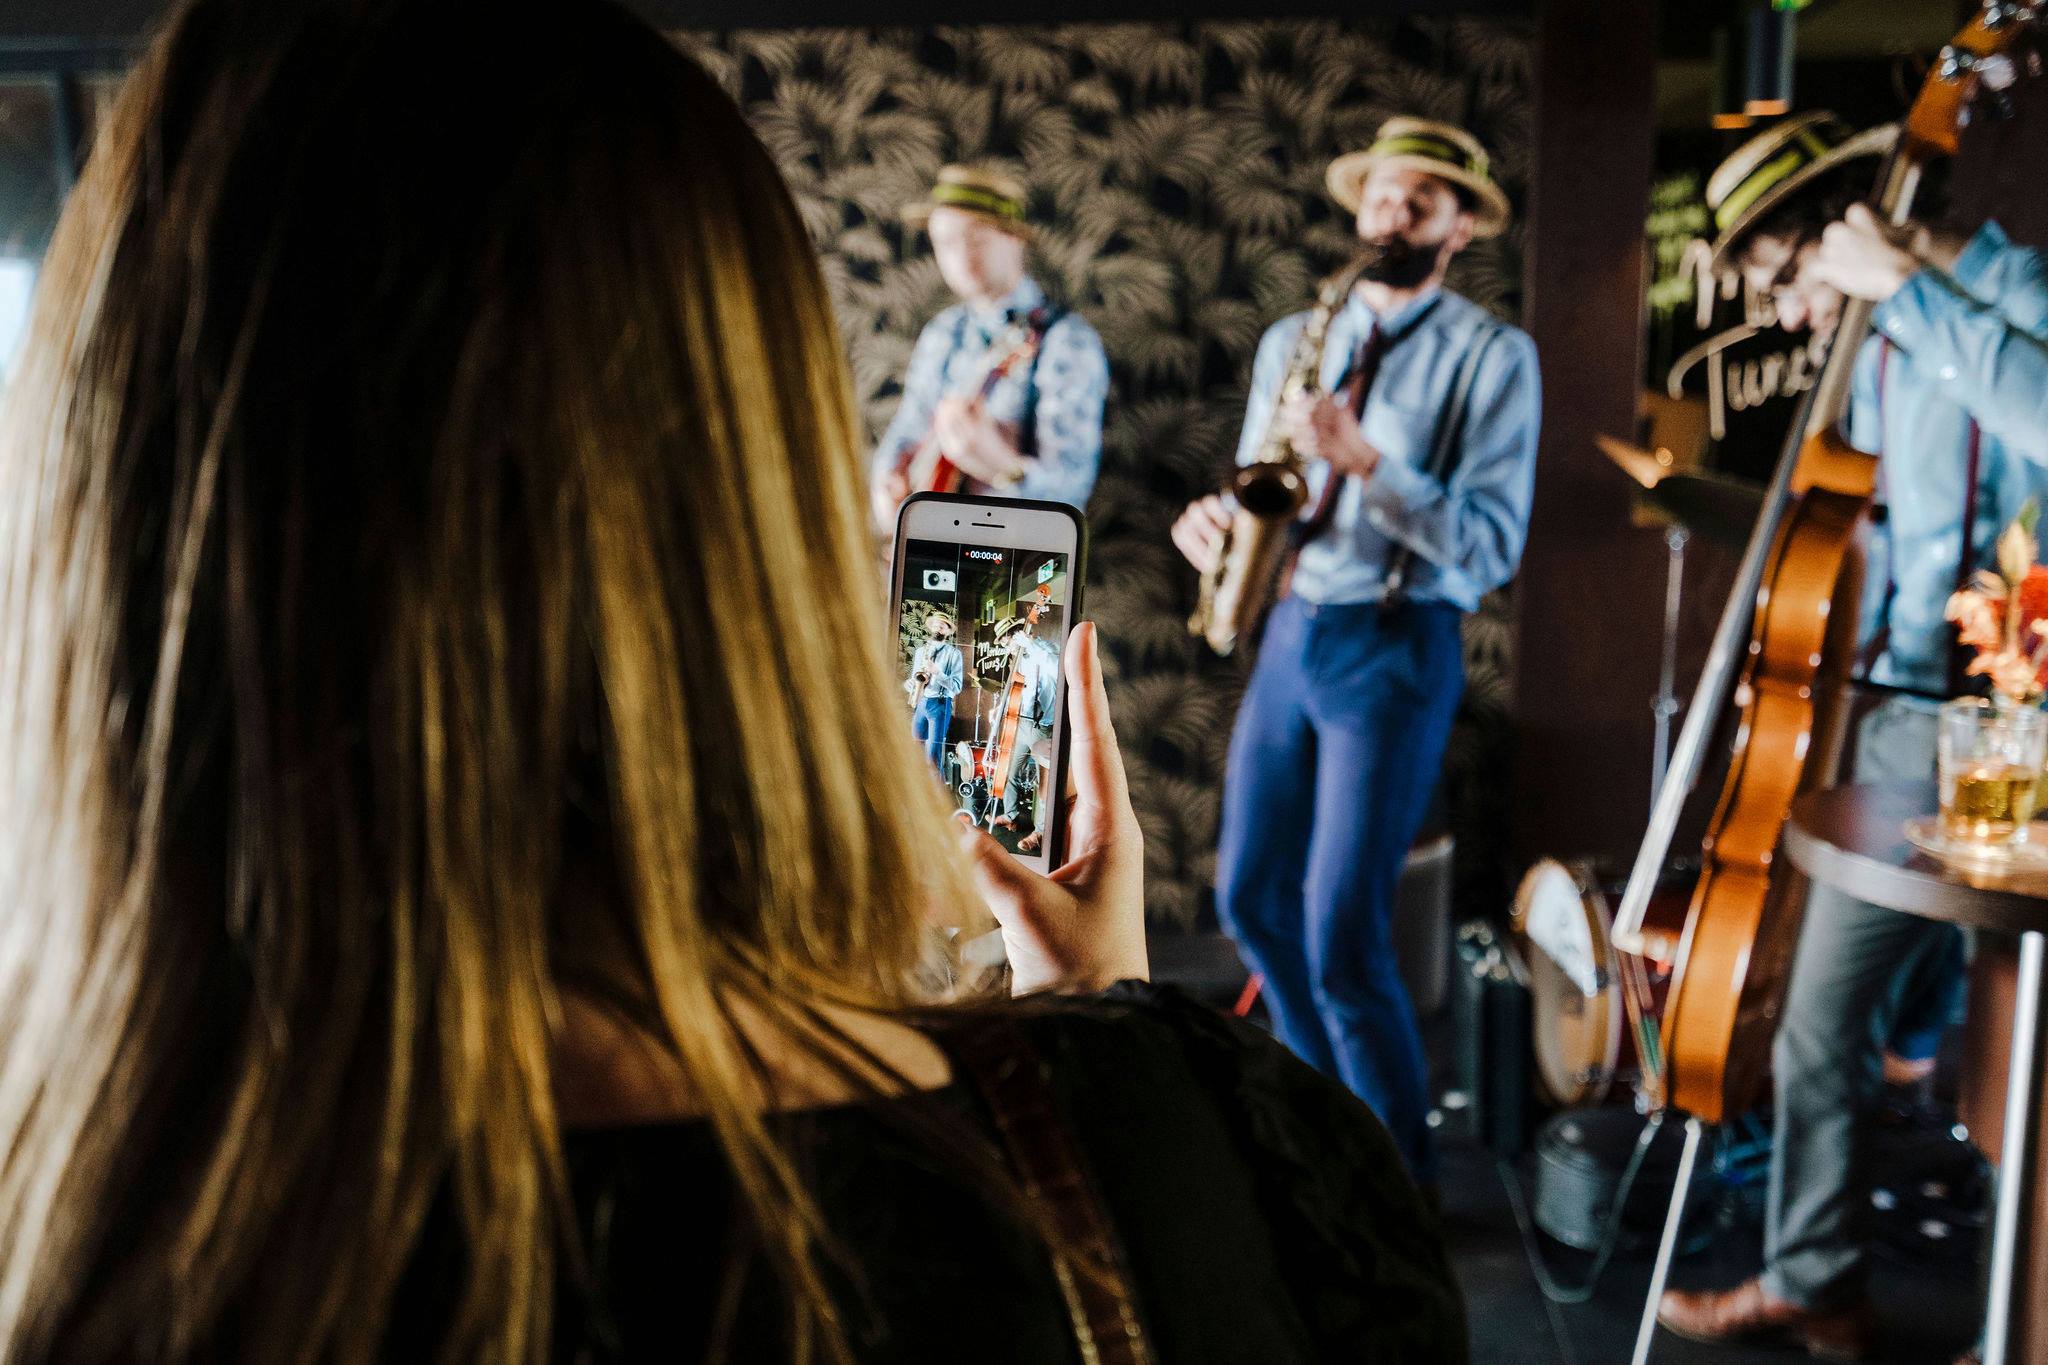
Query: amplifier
(1490, 1010)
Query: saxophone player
(937, 675)
(1341, 733)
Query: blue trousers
(933, 718)
(1337, 749)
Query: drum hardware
(1602, 1179)
(1679, 495)
(1602, 1172)
(1665, 708)
(1560, 927)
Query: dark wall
(1178, 172)
(1591, 594)
(2000, 171)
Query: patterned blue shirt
(1966, 345)
(1467, 532)
(953, 356)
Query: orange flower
(1980, 619)
(2004, 615)
(2033, 595)
(2010, 671)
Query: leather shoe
(1747, 1312)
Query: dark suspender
(1042, 323)
(1443, 455)
(1041, 320)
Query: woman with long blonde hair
(439, 918)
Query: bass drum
(1562, 927)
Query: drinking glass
(1989, 760)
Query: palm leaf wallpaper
(1177, 171)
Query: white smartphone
(983, 591)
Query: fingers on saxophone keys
(1196, 539)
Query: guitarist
(1037, 431)
(1949, 394)
(937, 673)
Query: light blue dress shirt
(1466, 532)
(953, 356)
(1967, 344)
(942, 657)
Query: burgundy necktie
(1351, 392)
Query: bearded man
(1342, 730)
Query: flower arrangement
(2004, 616)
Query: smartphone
(983, 591)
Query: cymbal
(1715, 507)
(1647, 467)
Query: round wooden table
(1852, 839)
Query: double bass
(1780, 659)
(1002, 745)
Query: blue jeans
(934, 716)
(1337, 749)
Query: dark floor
(1928, 1309)
(1925, 1290)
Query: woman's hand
(1083, 927)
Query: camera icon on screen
(938, 580)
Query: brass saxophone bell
(1268, 491)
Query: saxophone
(1268, 493)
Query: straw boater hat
(1776, 164)
(1009, 626)
(1438, 149)
(936, 615)
(988, 194)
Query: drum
(1561, 925)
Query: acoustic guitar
(925, 464)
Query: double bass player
(1949, 394)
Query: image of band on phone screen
(986, 592)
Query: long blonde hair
(431, 480)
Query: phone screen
(980, 629)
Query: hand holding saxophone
(1199, 532)
(1321, 428)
